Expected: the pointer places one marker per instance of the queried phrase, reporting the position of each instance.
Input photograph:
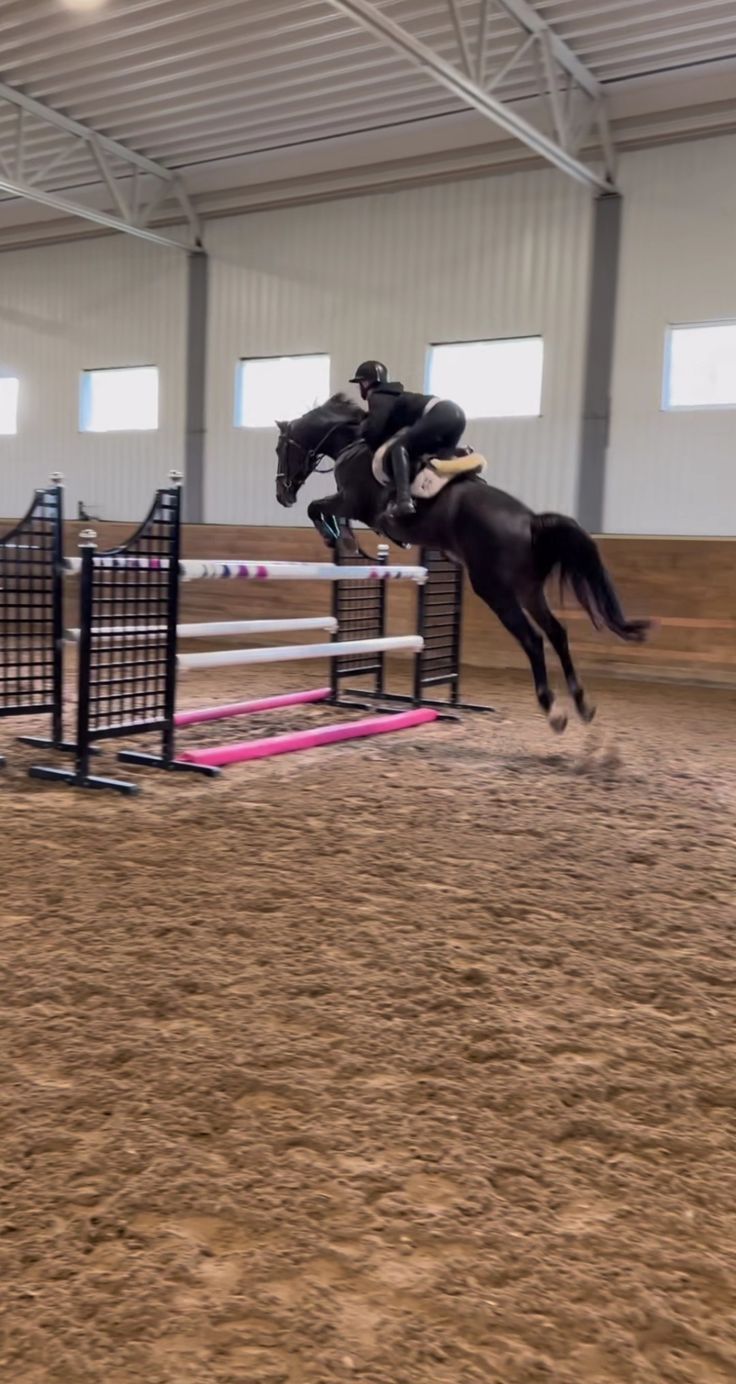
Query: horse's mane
(336, 410)
(336, 407)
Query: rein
(310, 456)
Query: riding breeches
(439, 429)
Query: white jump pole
(218, 629)
(340, 648)
(291, 652)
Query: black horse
(507, 550)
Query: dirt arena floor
(410, 1062)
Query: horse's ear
(281, 424)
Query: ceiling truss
(138, 187)
(572, 101)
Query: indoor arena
(368, 691)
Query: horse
(508, 551)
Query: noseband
(310, 459)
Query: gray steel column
(196, 386)
(599, 361)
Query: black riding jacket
(390, 407)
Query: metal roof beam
(101, 218)
(48, 116)
(107, 156)
(528, 19)
(554, 150)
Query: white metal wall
(384, 276)
(672, 473)
(72, 307)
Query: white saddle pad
(426, 484)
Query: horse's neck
(342, 437)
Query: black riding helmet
(370, 373)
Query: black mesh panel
(30, 610)
(360, 610)
(129, 646)
(440, 601)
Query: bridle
(310, 459)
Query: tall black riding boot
(402, 507)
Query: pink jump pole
(221, 755)
(220, 713)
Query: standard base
(472, 706)
(75, 780)
(351, 703)
(40, 742)
(404, 698)
(443, 709)
(157, 761)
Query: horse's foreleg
(328, 517)
(557, 636)
(323, 514)
(504, 604)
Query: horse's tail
(559, 542)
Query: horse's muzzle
(285, 495)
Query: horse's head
(323, 432)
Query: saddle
(433, 472)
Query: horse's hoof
(557, 721)
(586, 712)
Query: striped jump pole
(226, 569)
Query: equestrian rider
(419, 424)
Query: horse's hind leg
(556, 633)
(504, 604)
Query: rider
(419, 424)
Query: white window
(8, 405)
(279, 387)
(119, 400)
(700, 366)
(489, 379)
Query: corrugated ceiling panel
(191, 81)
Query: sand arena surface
(410, 1062)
